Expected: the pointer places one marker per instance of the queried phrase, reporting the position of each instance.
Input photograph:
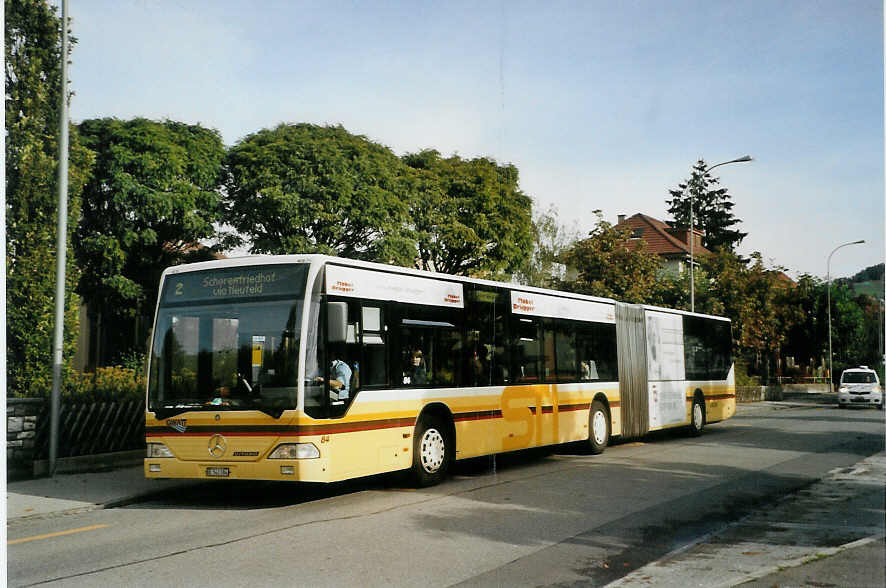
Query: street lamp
(692, 228)
(830, 353)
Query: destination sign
(236, 282)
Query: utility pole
(61, 248)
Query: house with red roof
(670, 243)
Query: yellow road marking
(56, 534)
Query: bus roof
(319, 259)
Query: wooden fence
(88, 428)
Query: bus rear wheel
(432, 452)
(598, 437)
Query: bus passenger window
(430, 347)
(372, 370)
(526, 351)
(595, 348)
(566, 354)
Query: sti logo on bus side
(178, 424)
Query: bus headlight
(295, 451)
(158, 450)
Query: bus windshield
(226, 354)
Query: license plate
(215, 472)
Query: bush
(741, 375)
(108, 383)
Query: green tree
(807, 339)
(33, 92)
(470, 216)
(760, 301)
(608, 265)
(154, 194)
(848, 339)
(767, 312)
(544, 268)
(871, 343)
(712, 209)
(310, 189)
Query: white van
(860, 387)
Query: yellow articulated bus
(316, 368)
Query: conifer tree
(711, 207)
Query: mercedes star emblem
(217, 446)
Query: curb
(87, 463)
(112, 503)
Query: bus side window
(566, 352)
(484, 359)
(372, 371)
(430, 346)
(526, 346)
(595, 347)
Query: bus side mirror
(337, 322)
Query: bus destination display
(251, 282)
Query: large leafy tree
(760, 301)
(470, 216)
(33, 92)
(767, 311)
(153, 196)
(319, 189)
(712, 209)
(608, 265)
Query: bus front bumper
(295, 470)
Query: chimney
(621, 218)
(682, 235)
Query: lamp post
(830, 352)
(60, 251)
(692, 227)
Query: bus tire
(600, 428)
(432, 452)
(697, 422)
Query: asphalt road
(527, 519)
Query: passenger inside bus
(416, 374)
(589, 370)
(480, 366)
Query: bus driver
(339, 379)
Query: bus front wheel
(698, 416)
(432, 452)
(599, 433)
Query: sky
(601, 105)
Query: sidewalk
(830, 534)
(83, 491)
